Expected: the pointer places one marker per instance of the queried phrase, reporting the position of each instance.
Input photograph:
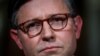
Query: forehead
(41, 9)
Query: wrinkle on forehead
(38, 8)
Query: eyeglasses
(34, 27)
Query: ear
(14, 36)
(78, 25)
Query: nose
(47, 34)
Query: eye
(32, 25)
(57, 19)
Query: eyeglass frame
(72, 15)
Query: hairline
(14, 14)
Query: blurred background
(88, 44)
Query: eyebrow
(40, 19)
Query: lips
(50, 48)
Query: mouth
(50, 49)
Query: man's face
(48, 42)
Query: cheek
(28, 43)
(66, 36)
